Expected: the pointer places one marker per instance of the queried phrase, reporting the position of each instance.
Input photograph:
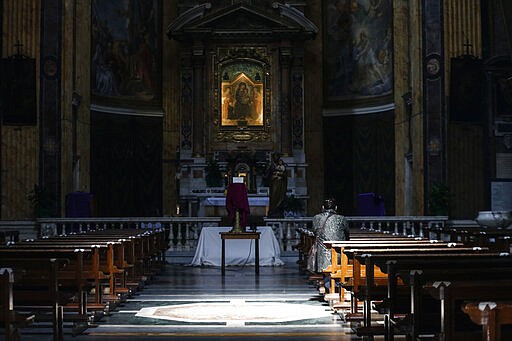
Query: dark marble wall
(500, 21)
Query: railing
(14, 230)
(288, 230)
(182, 233)
(412, 226)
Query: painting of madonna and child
(242, 102)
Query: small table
(241, 235)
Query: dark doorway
(126, 165)
(360, 158)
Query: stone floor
(197, 303)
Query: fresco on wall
(125, 50)
(358, 49)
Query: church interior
(126, 126)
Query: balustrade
(182, 233)
(288, 230)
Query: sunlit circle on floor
(235, 311)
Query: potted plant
(42, 201)
(292, 206)
(439, 199)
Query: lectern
(237, 206)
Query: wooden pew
(137, 255)
(375, 239)
(106, 266)
(149, 248)
(35, 288)
(369, 282)
(462, 288)
(494, 238)
(72, 283)
(90, 269)
(96, 259)
(491, 316)
(10, 318)
(367, 255)
(84, 267)
(342, 271)
(145, 256)
(338, 269)
(418, 268)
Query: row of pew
(459, 288)
(75, 278)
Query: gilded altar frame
(242, 95)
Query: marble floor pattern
(198, 303)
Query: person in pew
(327, 225)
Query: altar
(239, 251)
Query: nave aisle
(196, 303)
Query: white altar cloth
(209, 248)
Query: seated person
(327, 225)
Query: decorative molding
(297, 109)
(241, 136)
(358, 111)
(187, 17)
(434, 106)
(296, 15)
(186, 106)
(240, 22)
(127, 111)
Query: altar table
(239, 251)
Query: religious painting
(125, 51)
(358, 50)
(242, 95)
